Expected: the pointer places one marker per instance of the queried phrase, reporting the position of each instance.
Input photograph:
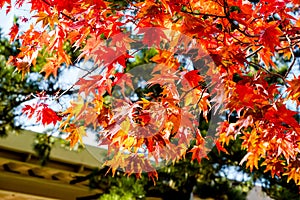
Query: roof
(21, 173)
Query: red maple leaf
(193, 78)
(29, 111)
(48, 116)
(2, 2)
(153, 36)
(270, 37)
(42, 112)
(13, 32)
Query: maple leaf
(104, 117)
(63, 5)
(13, 32)
(166, 61)
(199, 152)
(296, 2)
(220, 147)
(29, 111)
(153, 36)
(39, 6)
(274, 165)
(75, 134)
(122, 41)
(270, 36)
(294, 89)
(122, 80)
(280, 114)
(226, 32)
(191, 25)
(122, 59)
(2, 3)
(42, 16)
(48, 116)
(46, 19)
(153, 175)
(252, 160)
(50, 67)
(293, 173)
(193, 78)
(42, 112)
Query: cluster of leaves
(207, 179)
(237, 35)
(125, 188)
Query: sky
(6, 21)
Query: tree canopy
(227, 62)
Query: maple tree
(233, 45)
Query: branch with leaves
(236, 45)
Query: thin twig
(253, 53)
(259, 66)
(283, 37)
(269, 72)
(71, 87)
(245, 49)
(202, 93)
(293, 57)
(81, 68)
(283, 48)
(199, 85)
(204, 14)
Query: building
(22, 176)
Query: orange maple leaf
(75, 134)
(50, 67)
(294, 89)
